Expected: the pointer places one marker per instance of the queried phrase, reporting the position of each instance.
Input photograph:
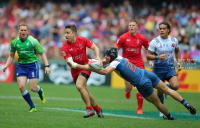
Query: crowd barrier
(60, 74)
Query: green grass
(64, 108)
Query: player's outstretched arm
(47, 67)
(74, 65)
(105, 71)
(104, 62)
(9, 61)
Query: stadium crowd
(101, 22)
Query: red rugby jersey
(77, 51)
(131, 46)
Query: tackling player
(142, 79)
(131, 43)
(74, 52)
(162, 50)
(28, 49)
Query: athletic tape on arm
(73, 63)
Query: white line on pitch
(109, 114)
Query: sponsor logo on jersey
(79, 57)
(80, 46)
(172, 44)
(137, 41)
(70, 49)
(128, 40)
(27, 44)
(135, 50)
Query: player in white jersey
(162, 50)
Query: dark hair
(72, 27)
(112, 52)
(167, 24)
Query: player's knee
(175, 86)
(127, 89)
(21, 88)
(33, 88)
(167, 91)
(79, 86)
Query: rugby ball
(94, 64)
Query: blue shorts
(165, 74)
(149, 81)
(30, 70)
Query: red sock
(97, 108)
(139, 100)
(128, 95)
(89, 107)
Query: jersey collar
(133, 35)
(25, 39)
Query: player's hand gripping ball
(94, 64)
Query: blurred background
(102, 21)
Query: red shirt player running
(131, 43)
(74, 52)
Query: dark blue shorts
(166, 74)
(149, 81)
(30, 70)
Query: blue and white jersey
(164, 46)
(127, 70)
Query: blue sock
(161, 99)
(39, 92)
(184, 102)
(168, 85)
(27, 97)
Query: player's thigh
(153, 98)
(21, 80)
(145, 88)
(128, 85)
(33, 84)
(81, 82)
(174, 82)
(162, 87)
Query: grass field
(64, 108)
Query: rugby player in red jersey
(131, 43)
(74, 52)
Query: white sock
(24, 93)
(38, 88)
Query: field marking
(72, 110)
(67, 99)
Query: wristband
(47, 65)
(156, 57)
(74, 65)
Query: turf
(64, 108)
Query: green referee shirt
(27, 50)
